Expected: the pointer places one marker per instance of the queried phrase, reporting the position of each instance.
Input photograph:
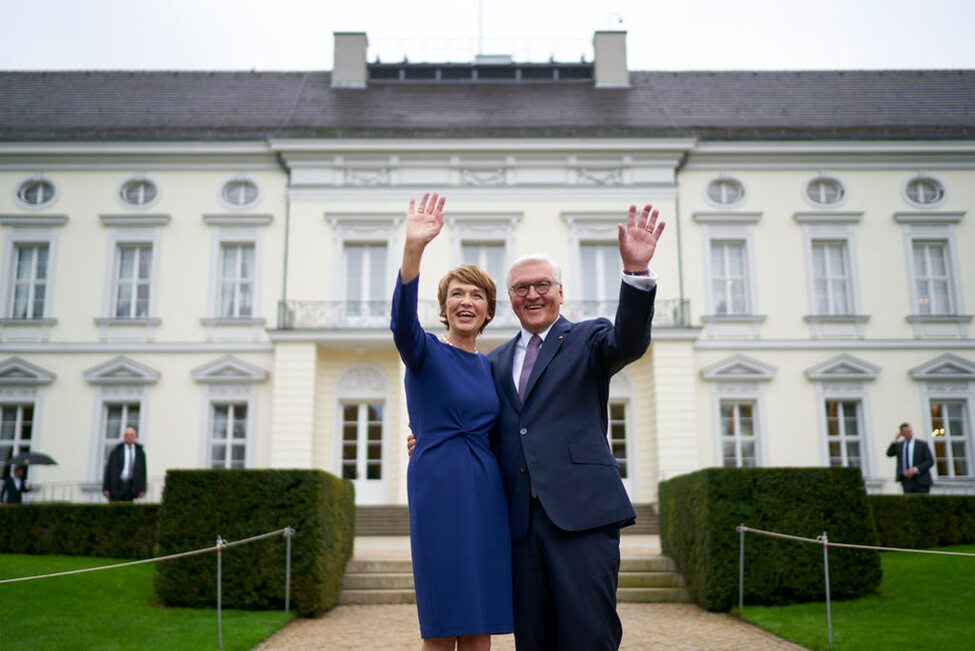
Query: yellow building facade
(230, 296)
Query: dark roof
(223, 106)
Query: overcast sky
(662, 34)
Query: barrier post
(220, 543)
(741, 567)
(829, 615)
(288, 532)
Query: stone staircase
(378, 581)
(644, 578)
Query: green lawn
(111, 609)
(925, 601)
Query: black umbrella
(27, 458)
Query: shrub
(917, 521)
(117, 530)
(199, 505)
(700, 511)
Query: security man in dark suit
(125, 471)
(914, 461)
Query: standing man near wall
(125, 471)
(914, 461)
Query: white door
(362, 450)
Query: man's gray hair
(534, 257)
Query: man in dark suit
(914, 461)
(566, 499)
(14, 486)
(125, 471)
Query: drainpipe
(680, 249)
(282, 305)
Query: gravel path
(645, 626)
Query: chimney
(349, 64)
(610, 51)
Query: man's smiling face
(535, 311)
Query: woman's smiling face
(466, 307)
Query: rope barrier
(819, 540)
(823, 540)
(217, 547)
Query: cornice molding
(649, 146)
(929, 217)
(725, 217)
(15, 219)
(820, 216)
(133, 219)
(233, 219)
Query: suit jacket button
(524, 469)
(524, 430)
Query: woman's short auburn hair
(468, 274)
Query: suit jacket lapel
(506, 362)
(549, 349)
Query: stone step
(650, 580)
(377, 581)
(374, 597)
(394, 520)
(647, 564)
(652, 595)
(381, 566)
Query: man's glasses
(541, 286)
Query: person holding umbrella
(14, 487)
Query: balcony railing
(374, 315)
(85, 491)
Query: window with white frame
(239, 193)
(617, 434)
(116, 417)
(16, 429)
(729, 277)
(36, 193)
(489, 256)
(949, 433)
(236, 283)
(933, 277)
(725, 191)
(825, 191)
(29, 280)
(601, 278)
(228, 435)
(924, 191)
(739, 440)
(361, 266)
(844, 433)
(365, 279)
(133, 278)
(362, 440)
(138, 192)
(831, 278)
(229, 407)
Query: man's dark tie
(534, 344)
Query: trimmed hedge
(199, 505)
(700, 511)
(117, 530)
(918, 521)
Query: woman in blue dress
(458, 516)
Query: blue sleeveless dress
(458, 514)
